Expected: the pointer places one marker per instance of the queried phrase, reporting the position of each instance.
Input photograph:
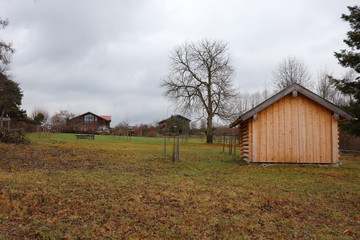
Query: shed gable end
(293, 130)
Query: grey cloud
(109, 56)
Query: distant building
(89, 123)
(5, 122)
(176, 124)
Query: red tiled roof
(108, 118)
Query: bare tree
(203, 125)
(6, 50)
(40, 115)
(122, 128)
(349, 77)
(193, 126)
(123, 124)
(10, 92)
(200, 81)
(246, 101)
(324, 87)
(59, 119)
(291, 70)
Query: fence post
(223, 143)
(174, 149)
(235, 145)
(177, 150)
(230, 145)
(165, 147)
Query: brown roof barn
(175, 121)
(89, 123)
(293, 126)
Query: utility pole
(3, 111)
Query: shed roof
(285, 92)
(177, 116)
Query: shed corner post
(335, 141)
(252, 142)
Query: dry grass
(111, 189)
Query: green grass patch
(71, 138)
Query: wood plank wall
(293, 130)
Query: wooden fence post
(177, 150)
(165, 147)
(223, 143)
(230, 145)
(174, 149)
(235, 145)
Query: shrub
(12, 136)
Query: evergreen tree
(10, 97)
(351, 58)
(10, 93)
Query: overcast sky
(108, 57)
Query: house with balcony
(89, 123)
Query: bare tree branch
(6, 50)
(291, 70)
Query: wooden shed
(293, 126)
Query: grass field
(109, 188)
